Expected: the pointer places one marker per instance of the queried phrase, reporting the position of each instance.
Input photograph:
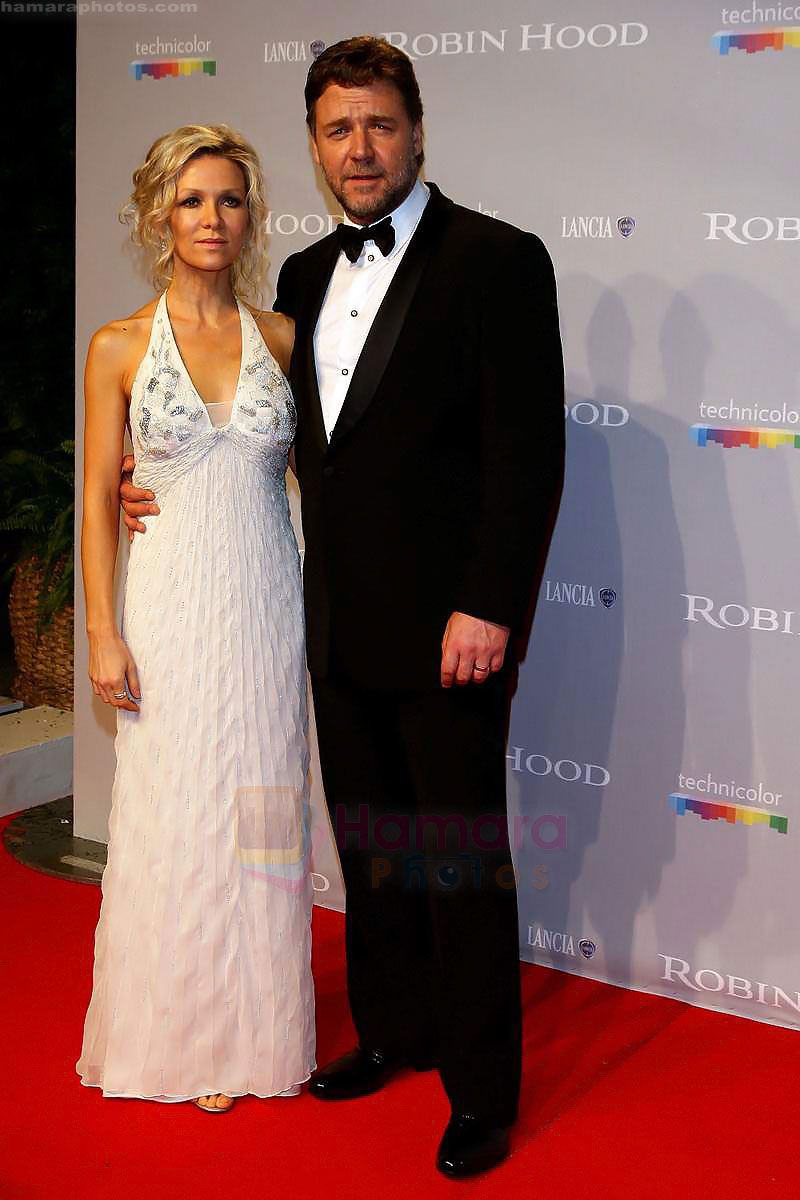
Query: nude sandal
(205, 1108)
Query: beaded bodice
(170, 424)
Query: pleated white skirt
(202, 971)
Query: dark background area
(37, 304)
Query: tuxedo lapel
(389, 319)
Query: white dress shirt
(354, 295)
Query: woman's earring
(163, 243)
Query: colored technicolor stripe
(752, 43)
(756, 439)
(173, 69)
(734, 814)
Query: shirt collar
(405, 217)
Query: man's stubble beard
(376, 208)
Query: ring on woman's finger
(477, 668)
(120, 695)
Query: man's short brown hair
(358, 62)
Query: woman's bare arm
(106, 409)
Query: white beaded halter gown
(202, 971)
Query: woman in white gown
(202, 978)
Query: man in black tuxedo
(428, 379)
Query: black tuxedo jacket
(437, 490)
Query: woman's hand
(113, 671)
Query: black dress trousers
(415, 785)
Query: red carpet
(624, 1095)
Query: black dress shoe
(470, 1145)
(357, 1073)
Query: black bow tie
(352, 237)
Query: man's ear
(314, 150)
(417, 138)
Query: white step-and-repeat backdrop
(653, 756)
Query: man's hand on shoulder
(472, 649)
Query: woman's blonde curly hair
(155, 186)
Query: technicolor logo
(755, 439)
(732, 814)
(176, 68)
(753, 43)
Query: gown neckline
(235, 398)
